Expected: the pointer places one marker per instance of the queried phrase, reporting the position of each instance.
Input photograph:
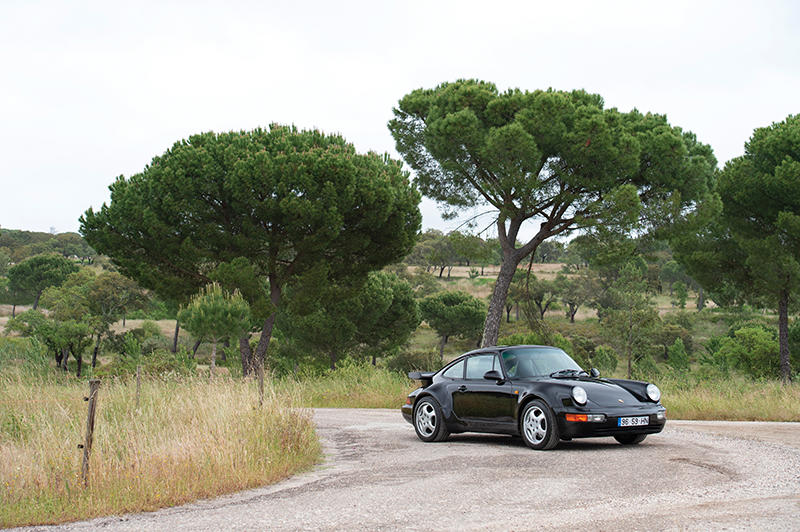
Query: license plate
(633, 421)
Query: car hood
(598, 392)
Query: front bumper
(610, 427)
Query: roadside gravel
(379, 476)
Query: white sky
(92, 90)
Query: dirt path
(379, 476)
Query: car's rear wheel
(538, 426)
(630, 439)
(429, 420)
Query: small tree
(630, 316)
(453, 314)
(577, 290)
(214, 314)
(677, 357)
(35, 274)
(680, 294)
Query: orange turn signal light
(408, 400)
(577, 417)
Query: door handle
(462, 388)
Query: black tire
(538, 426)
(630, 439)
(429, 420)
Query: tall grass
(734, 398)
(189, 439)
(350, 386)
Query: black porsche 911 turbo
(537, 392)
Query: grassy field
(189, 439)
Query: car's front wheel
(630, 439)
(538, 426)
(429, 420)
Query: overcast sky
(92, 90)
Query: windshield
(537, 362)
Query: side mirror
(594, 372)
(493, 375)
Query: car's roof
(494, 348)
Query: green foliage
(332, 321)
(680, 294)
(35, 274)
(283, 199)
(630, 317)
(453, 313)
(161, 363)
(752, 350)
(214, 314)
(605, 359)
(645, 368)
(677, 358)
(416, 360)
(554, 154)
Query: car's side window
(456, 371)
(478, 365)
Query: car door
(484, 404)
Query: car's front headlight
(653, 392)
(579, 395)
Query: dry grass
(188, 440)
(732, 399)
(350, 386)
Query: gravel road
(379, 476)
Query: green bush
(158, 363)
(752, 350)
(677, 358)
(605, 359)
(416, 360)
(645, 368)
(148, 336)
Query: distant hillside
(17, 245)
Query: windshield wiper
(568, 373)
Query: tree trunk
(441, 347)
(783, 335)
(246, 354)
(65, 359)
(508, 314)
(79, 358)
(60, 353)
(96, 349)
(266, 330)
(36, 301)
(223, 356)
(332, 357)
(175, 338)
(491, 328)
(123, 321)
(630, 362)
(195, 347)
(13, 310)
(441, 271)
(572, 312)
(213, 356)
(701, 300)
(449, 269)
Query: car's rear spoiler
(426, 377)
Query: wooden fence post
(94, 387)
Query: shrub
(645, 368)
(677, 358)
(160, 362)
(605, 359)
(416, 360)
(753, 350)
